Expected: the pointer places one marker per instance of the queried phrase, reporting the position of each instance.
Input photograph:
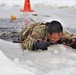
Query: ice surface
(57, 60)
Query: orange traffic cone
(27, 7)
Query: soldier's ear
(60, 34)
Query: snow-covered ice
(9, 67)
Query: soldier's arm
(28, 42)
(37, 33)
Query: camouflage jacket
(32, 33)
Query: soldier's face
(54, 37)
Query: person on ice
(40, 36)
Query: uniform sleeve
(27, 44)
(37, 33)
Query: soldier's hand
(73, 45)
(40, 45)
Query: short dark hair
(54, 26)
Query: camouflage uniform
(32, 33)
(37, 31)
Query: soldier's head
(54, 31)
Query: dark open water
(9, 29)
